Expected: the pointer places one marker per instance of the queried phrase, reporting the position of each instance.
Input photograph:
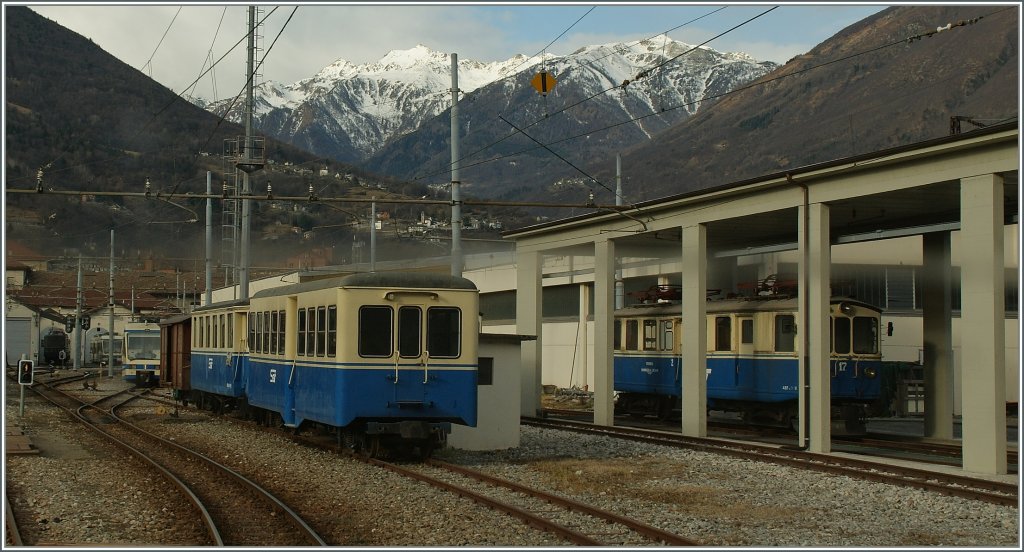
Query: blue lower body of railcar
(338, 395)
(748, 379)
(660, 375)
(219, 373)
(141, 374)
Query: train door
(746, 372)
(410, 356)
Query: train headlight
(870, 372)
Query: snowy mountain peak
(350, 111)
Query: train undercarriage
(847, 418)
(372, 439)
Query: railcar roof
(223, 305)
(758, 304)
(417, 280)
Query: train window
(208, 342)
(617, 335)
(666, 335)
(310, 331)
(785, 333)
(409, 332)
(444, 332)
(650, 335)
(252, 331)
(264, 332)
(747, 331)
(273, 332)
(321, 331)
(220, 331)
(374, 331)
(230, 343)
(865, 335)
(723, 333)
(632, 335)
(199, 333)
(841, 335)
(300, 345)
(280, 333)
(332, 330)
(267, 332)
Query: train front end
(389, 360)
(141, 356)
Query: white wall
(498, 404)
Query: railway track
(948, 484)
(573, 521)
(235, 510)
(570, 520)
(874, 444)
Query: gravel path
(79, 490)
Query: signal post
(26, 371)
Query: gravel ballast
(79, 490)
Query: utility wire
(153, 117)
(249, 79)
(596, 94)
(588, 63)
(545, 49)
(167, 30)
(209, 56)
(724, 94)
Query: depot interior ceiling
(912, 211)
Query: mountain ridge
(349, 112)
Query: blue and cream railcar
(752, 364)
(141, 354)
(219, 357)
(388, 358)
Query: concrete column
(604, 301)
(813, 326)
(528, 322)
(583, 337)
(937, 305)
(694, 341)
(983, 371)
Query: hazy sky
(174, 43)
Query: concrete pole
(620, 285)
(694, 340)
(243, 268)
(456, 194)
(110, 353)
(209, 238)
(604, 384)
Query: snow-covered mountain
(349, 112)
